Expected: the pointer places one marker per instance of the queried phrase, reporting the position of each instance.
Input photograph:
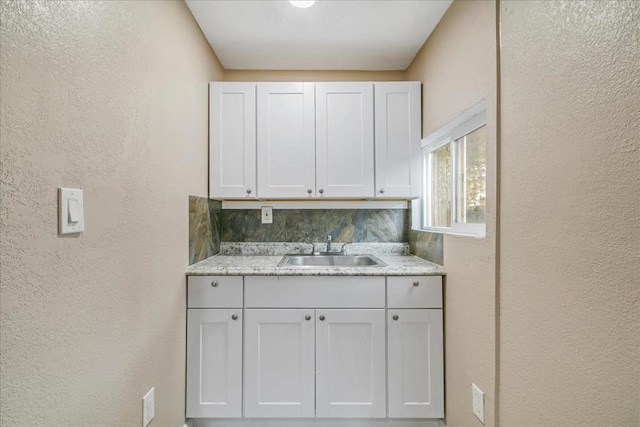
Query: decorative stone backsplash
(313, 225)
(204, 229)
(209, 225)
(426, 245)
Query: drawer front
(314, 292)
(414, 292)
(214, 292)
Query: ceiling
(330, 35)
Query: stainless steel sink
(331, 261)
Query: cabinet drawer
(414, 292)
(314, 292)
(214, 292)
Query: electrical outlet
(478, 402)
(267, 215)
(148, 407)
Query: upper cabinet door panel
(344, 139)
(232, 140)
(397, 118)
(286, 141)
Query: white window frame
(467, 122)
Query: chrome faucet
(329, 243)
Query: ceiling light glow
(302, 4)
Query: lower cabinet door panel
(214, 363)
(416, 371)
(279, 363)
(350, 363)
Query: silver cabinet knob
(321, 317)
(214, 284)
(248, 191)
(234, 316)
(321, 191)
(382, 191)
(309, 191)
(416, 283)
(395, 317)
(307, 317)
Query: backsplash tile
(204, 228)
(209, 225)
(426, 245)
(313, 225)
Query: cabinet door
(350, 363)
(279, 364)
(398, 138)
(416, 372)
(232, 140)
(344, 139)
(286, 140)
(214, 363)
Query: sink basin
(331, 261)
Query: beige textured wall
(311, 76)
(110, 97)
(457, 67)
(570, 252)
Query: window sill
(460, 233)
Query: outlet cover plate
(148, 407)
(478, 402)
(267, 215)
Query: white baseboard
(208, 422)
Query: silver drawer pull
(234, 317)
(395, 317)
(214, 284)
(307, 317)
(309, 191)
(248, 191)
(321, 317)
(416, 283)
(321, 191)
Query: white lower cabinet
(358, 352)
(415, 368)
(350, 364)
(279, 364)
(322, 363)
(214, 363)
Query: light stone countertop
(399, 264)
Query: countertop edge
(267, 266)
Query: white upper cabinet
(232, 140)
(286, 140)
(358, 140)
(398, 135)
(344, 139)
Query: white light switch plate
(70, 211)
(478, 402)
(267, 215)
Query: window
(454, 168)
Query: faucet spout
(329, 243)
